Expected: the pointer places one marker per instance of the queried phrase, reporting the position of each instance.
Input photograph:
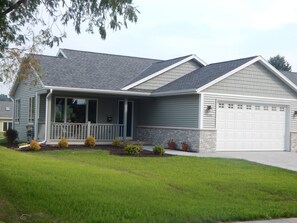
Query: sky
(214, 30)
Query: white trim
(99, 91)
(171, 93)
(248, 96)
(61, 51)
(164, 70)
(201, 110)
(166, 127)
(257, 59)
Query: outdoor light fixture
(209, 108)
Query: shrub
(159, 150)
(90, 141)
(140, 144)
(63, 143)
(116, 142)
(34, 145)
(132, 149)
(125, 143)
(11, 135)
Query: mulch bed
(118, 151)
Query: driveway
(285, 160)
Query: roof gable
(6, 109)
(159, 68)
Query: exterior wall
(168, 76)
(199, 140)
(254, 80)
(24, 91)
(173, 111)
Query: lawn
(1, 135)
(92, 186)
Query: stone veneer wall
(293, 141)
(199, 140)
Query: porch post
(49, 118)
(125, 118)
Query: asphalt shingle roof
(91, 70)
(4, 113)
(292, 76)
(204, 75)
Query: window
(273, 108)
(257, 107)
(17, 110)
(248, 107)
(31, 109)
(239, 106)
(76, 110)
(7, 108)
(230, 106)
(6, 126)
(265, 108)
(282, 109)
(221, 105)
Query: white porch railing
(80, 131)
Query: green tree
(280, 63)
(19, 20)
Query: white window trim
(17, 111)
(31, 112)
(7, 124)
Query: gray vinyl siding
(175, 111)
(209, 119)
(42, 107)
(168, 76)
(254, 80)
(24, 91)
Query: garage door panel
(250, 127)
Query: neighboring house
(238, 105)
(6, 112)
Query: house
(239, 105)
(6, 110)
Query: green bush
(159, 150)
(132, 149)
(116, 142)
(11, 135)
(34, 145)
(90, 141)
(63, 143)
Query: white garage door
(249, 127)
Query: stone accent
(199, 140)
(293, 141)
(207, 140)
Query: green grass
(1, 135)
(93, 186)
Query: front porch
(76, 116)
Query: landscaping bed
(113, 150)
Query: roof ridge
(110, 54)
(173, 59)
(228, 61)
(44, 55)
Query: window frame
(65, 108)
(17, 110)
(7, 125)
(31, 112)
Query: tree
(19, 19)
(280, 63)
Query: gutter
(87, 90)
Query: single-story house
(239, 105)
(6, 110)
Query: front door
(129, 117)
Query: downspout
(46, 116)
(13, 112)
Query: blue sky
(214, 30)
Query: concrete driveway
(286, 160)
